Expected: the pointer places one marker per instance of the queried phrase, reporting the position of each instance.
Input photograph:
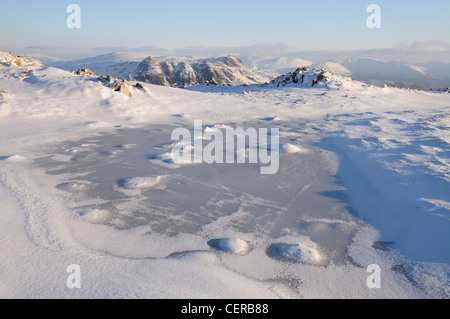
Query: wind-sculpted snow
(396, 169)
(87, 177)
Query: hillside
(399, 74)
(168, 71)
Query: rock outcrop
(85, 72)
(10, 59)
(121, 86)
(304, 77)
(150, 71)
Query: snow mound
(271, 118)
(169, 159)
(307, 253)
(72, 186)
(13, 158)
(95, 216)
(126, 146)
(235, 246)
(141, 182)
(292, 149)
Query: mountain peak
(311, 77)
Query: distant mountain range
(168, 71)
(423, 76)
(231, 70)
(431, 75)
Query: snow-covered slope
(333, 67)
(307, 77)
(430, 75)
(283, 64)
(87, 178)
(300, 78)
(400, 74)
(116, 64)
(169, 71)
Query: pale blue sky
(303, 25)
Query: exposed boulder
(122, 88)
(142, 87)
(85, 72)
(125, 90)
(101, 79)
(213, 81)
(10, 59)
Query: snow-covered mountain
(430, 75)
(279, 65)
(231, 70)
(333, 67)
(169, 71)
(395, 73)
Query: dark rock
(85, 71)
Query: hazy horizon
(412, 31)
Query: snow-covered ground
(85, 179)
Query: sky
(170, 25)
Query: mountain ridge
(169, 71)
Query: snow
(86, 178)
(95, 216)
(13, 158)
(333, 67)
(305, 251)
(230, 245)
(72, 186)
(141, 182)
(292, 149)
